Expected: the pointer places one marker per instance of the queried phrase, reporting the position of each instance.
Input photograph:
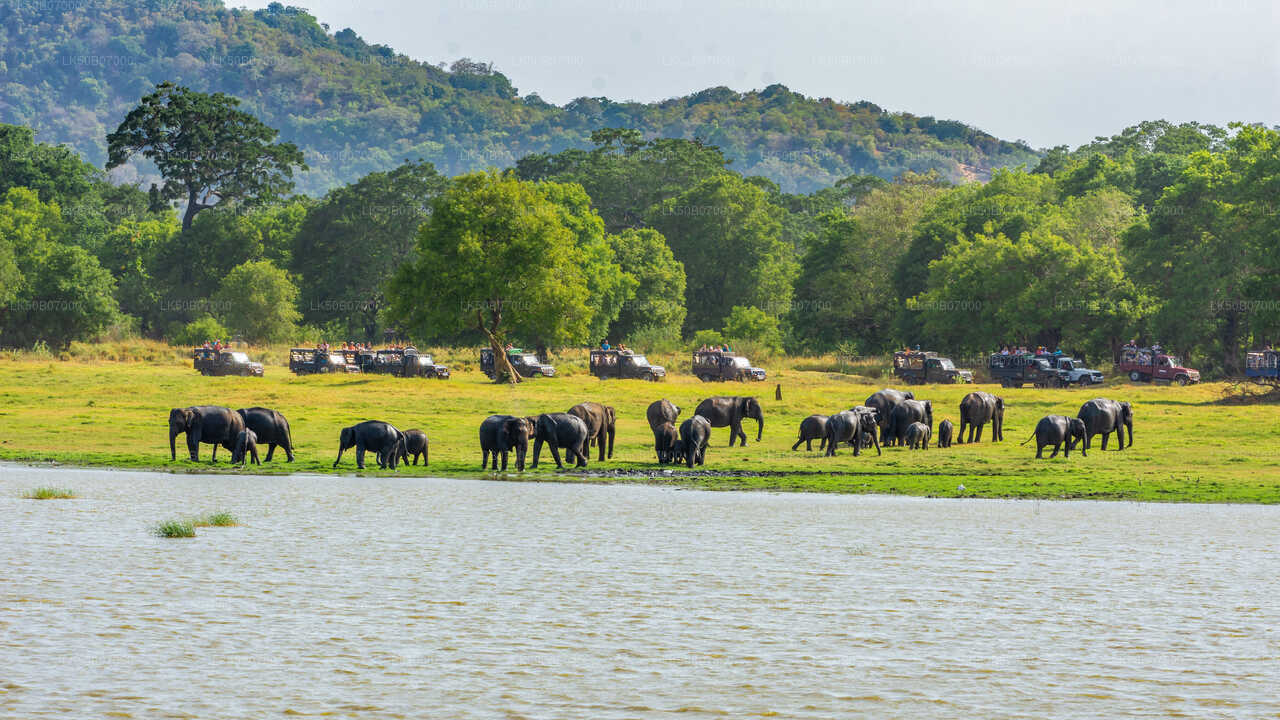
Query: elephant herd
(887, 418)
(901, 419)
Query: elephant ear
(189, 418)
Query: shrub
(655, 339)
(707, 337)
(50, 493)
(755, 326)
(200, 330)
(175, 529)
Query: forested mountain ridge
(72, 71)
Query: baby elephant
(918, 436)
(666, 443)
(1057, 430)
(812, 428)
(945, 430)
(415, 444)
(246, 445)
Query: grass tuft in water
(218, 519)
(176, 529)
(50, 493)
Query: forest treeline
(1162, 232)
(71, 70)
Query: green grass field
(1189, 444)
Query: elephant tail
(1024, 442)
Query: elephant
(884, 401)
(730, 411)
(382, 438)
(666, 442)
(812, 428)
(499, 435)
(917, 436)
(945, 430)
(850, 426)
(246, 444)
(210, 424)
(976, 410)
(271, 428)
(659, 413)
(694, 434)
(1102, 416)
(1057, 430)
(415, 444)
(561, 430)
(601, 423)
(906, 413)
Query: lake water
(390, 598)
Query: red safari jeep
(1152, 365)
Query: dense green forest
(1163, 232)
(72, 70)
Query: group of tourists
(1040, 350)
(215, 345)
(360, 347)
(724, 347)
(604, 345)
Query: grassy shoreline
(1189, 446)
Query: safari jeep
(624, 364)
(408, 363)
(524, 363)
(225, 362)
(709, 365)
(915, 367)
(1152, 365)
(309, 361)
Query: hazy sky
(1047, 72)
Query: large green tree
(354, 239)
(728, 237)
(208, 151)
(258, 302)
(1207, 250)
(660, 282)
(496, 257)
(62, 292)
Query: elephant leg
(1039, 451)
(807, 447)
(504, 460)
(1105, 437)
(823, 444)
(215, 453)
(980, 426)
(537, 450)
(256, 461)
(600, 440)
(997, 431)
(1054, 454)
(193, 444)
(360, 455)
(340, 450)
(555, 454)
(1120, 437)
(484, 459)
(271, 450)
(582, 456)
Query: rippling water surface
(457, 599)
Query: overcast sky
(1050, 73)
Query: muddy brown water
(408, 598)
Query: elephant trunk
(1129, 424)
(760, 427)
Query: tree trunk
(501, 363)
(1230, 342)
(189, 216)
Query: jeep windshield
(638, 360)
(526, 359)
(425, 360)
(946, 364)
(239, 357)
(741, 362)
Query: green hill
(71, 70)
